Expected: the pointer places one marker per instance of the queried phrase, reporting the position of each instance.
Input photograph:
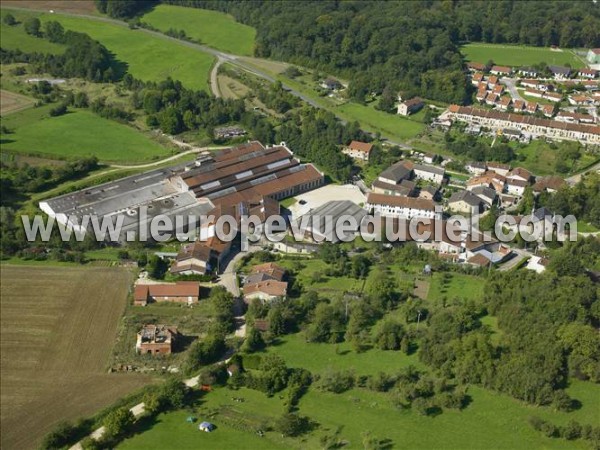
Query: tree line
(404, 46)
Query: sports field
(213, 28)
(11, 102)
(519, 55)
(58, 326)
(148, 57)
(77, 134)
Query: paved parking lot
(313, 199)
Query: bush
(58, 110)
(118, 421)
(336, 381)
(292, 425)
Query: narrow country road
(577, 178)
(214, 79)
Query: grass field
(69, 6)
(11, 102)
(148, 57)
(14, 37)
(491, 420)
(460, 286)
(58, 326)
(77, 134)
(213, 28)
(518, 55)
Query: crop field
(490, 418)
(213, 28)
(11, 102)
(148, 57)
(76, 134)
(519, 55)
(58, 326)
(14, 37)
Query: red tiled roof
(273, 288)
(363, 147)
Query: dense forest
(405, 46)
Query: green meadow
(14, 37)
(78, 133)
(213, 28)
(519, 55)
(491, 420)
(148, 57)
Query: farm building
(156, 340)
(187, 292)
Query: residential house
(476, 167)
(481, 94)
(266, 291)
(549, 184)
(533, 126)
(498, 89)
(532, 107)
(528, 72)
(569, 117)
(331, 84)
(265, 272)
(465, 202)
(200, 257)
(534, 84)
(405, 188)
(518, 173)
(593, 56)
(499, 168)
(401, 207)
(486, 194)
(504, 103)
(553, 97)
(559, 72)
(587, 73)
(516, 187)
(491, 99)
(186, 292)
(511, 134)
(410, 106)
(548, 110)
(580, 100)
(501, 70)
(476, 67)
(518, 105)
(429, 193)
(476, 79)
(429, 158)
(492, 81)
(358, 150)
(489, 179)
(429, 173)
(156, 340)
(534, 93)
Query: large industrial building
(245, 179)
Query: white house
(401, 207)
(429, 173)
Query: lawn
(14, 37)
(391, 126)
(77, 134)
(57, 329)
(148, 57)
(540, 158)
(212, 28)
(460, 286)
(519, 55)
(318, 357)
